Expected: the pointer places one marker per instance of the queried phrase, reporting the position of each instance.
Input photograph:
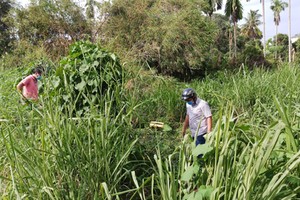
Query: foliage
(279, 46)
(250, 28)
(210, 6)
(23, 55)
(277, 7)
(296, 46)
(161, 35)
(59, 23)
(222, 39)
(234, 10)
(86, 76)
(5, 37)
(172, 37)
(252, 152)
(252, 55)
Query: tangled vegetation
(252, 152)
(86, 76)
(89, 135)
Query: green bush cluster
(87, 77)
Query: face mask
(190, 103)
(39, 78)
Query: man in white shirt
(198, 116)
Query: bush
(87, 76)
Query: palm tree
(277, 6)
(250, 28)
(211, 6)
(264, 25)
(234, 10)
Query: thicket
(172, 37)
(49, 154)
(87, 75)
(89, 136)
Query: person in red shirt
(28, 87)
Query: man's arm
(20, 86)
(209, 124)
(185, 125)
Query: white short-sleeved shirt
(198, 113)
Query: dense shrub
(87, 76)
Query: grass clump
(112, 153)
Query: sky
(256, 5)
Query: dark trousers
(200, 140)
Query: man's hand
(185, 125)
(186, 138)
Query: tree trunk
(234, 38)
(264, 26)
(290, 37)
(276, 42)
(230, 42)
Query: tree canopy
(5, 36)
(175, 37)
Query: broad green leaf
(56, 82)
(205, 191)
(83, 68)
(199, 195)
(96, 63)
(202, 149)
(188, 174)
(65, 97)
(188, 196)
(113, 56)
(167, 128)
(80, 85)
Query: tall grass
(255, 141)
(252, 152)
(52, 155)
(231, 169)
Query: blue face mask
(190, 103)
(39, 78)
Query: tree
(277, 7)
(282, 46)
(59, 23)
(279, 45)
(224, 28)
(90, 9)
(290, 36)
(264, 25)
(91, 6)
(170, 36)
(234, 10)
(5, 36)
(210, 6)
(250, 28)
(252, 54)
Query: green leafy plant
(86, 76)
